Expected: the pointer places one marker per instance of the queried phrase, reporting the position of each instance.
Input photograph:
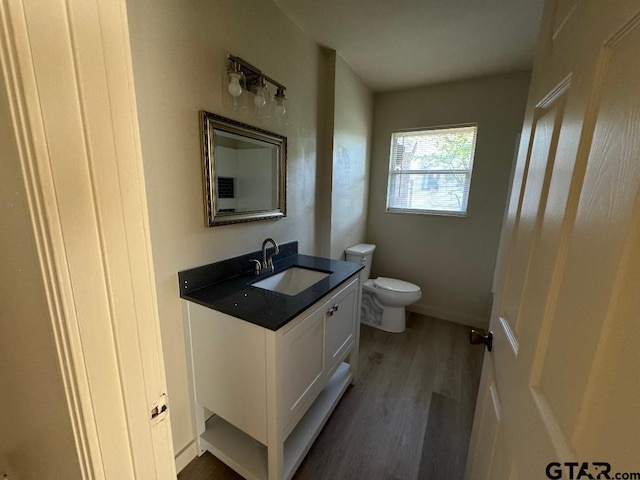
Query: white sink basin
(292, 281)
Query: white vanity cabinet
(341, 326)
(270, 392)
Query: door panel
(601, 227)
(564, 365)
(487, 421)
(603, 243)
(540, 163)
(611, 388)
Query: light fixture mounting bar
(253, 74)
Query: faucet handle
(257, 266)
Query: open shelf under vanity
(249, 457)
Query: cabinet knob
(335, 307)
(331, 310)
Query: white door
(560, 392)
(65, 70)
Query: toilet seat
(394, 285)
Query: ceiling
(395, 44)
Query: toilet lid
(394, 285)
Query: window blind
(430, 170)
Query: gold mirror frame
(210, 124)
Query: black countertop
(226, 286)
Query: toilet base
(393, 319)
(389, 319)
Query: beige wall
(452, 259)
(353, 118)
(36, 439)
(324, 166)
(179, 50)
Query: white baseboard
(455, 317)
(185, 456)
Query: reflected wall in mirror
(244, 171)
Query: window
(430, 170)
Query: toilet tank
(361, 253)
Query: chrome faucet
(267, 263)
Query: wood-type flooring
(408, 417)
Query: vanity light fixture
(244, 78)
(235, 77)
(281, 102)
(261, 93)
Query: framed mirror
(244, 172)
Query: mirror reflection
(244, 171)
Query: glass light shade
(260, 100)
(281, 106)
(234, 87)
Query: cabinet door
(340, 325)
(302, 367)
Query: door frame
(66, 69)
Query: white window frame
(393, 172)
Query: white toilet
(383, 299)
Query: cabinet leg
(200, 427)
(352, 360)
(354, 355)
(275, 442)
(275, 457)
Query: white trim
(395, 170)
(422, 211)
(513, 341)
(432, 171)
(495, 400)
(184, 457)
(22, 94)
(68, 70)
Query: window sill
(439, 213)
